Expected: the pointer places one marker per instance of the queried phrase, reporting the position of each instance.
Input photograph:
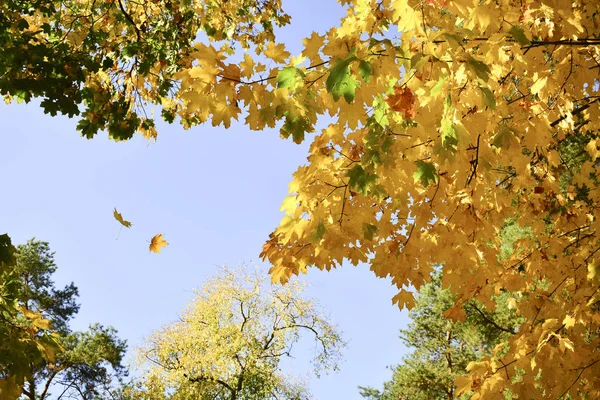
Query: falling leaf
(402, 101)
(157, 243)
(119, 218)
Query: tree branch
(490, 321)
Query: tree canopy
(231, 339)
(446, 119)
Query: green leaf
(360, 180)
(519, 35)
(22, 24)
(488, 97)
(87, 129)
(369, 230)
(365, 70)
(479, 68)
(340, 82)
(296, 127)
(288, 77)
(130, 50)
(452, 38)
(437, 88)
(318, 233)
(449, 135)
(419, 60)
(425, 173)
(505, 137)
(7, 251)
(380, 110)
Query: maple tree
(231, 339)
(446, 119)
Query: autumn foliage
(448, 118)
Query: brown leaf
(403, 100)
(119, 218)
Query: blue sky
(214, 193)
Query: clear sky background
(214, 193)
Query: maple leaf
(318, 233)
(478, 67)
(404, 299)
(312, 45)
(403, 100)
(157, 243)
(538, 85)
(519, 35)
(276, 52)
(463, 384)
(119, 218)
(289, 77)
(360, 179)
(340, 81)
(425, 173)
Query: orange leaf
(403, 100)
(157, 243)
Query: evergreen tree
(443, 347)
(85, 365)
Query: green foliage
(341, 82)
(38, 350)
(296, 127)
(35, 267)
(92, 361)
(360, 180)
(425, 173)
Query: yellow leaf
(276, 52)
(592, 149)
(157, 243)
(569, 322)
(565, 344)
(463, 384)
(41, 323)
(312, 45)
(592, 270)
(231, 72)
(512, 303)
(247, 66)
(404, 299)
(119, 218)
(479, 368)
(538, 85)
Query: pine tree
(442, 347)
